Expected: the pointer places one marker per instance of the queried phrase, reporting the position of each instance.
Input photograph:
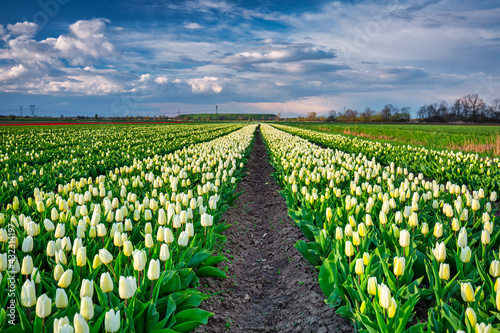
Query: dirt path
(270, 287)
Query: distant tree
(96, 116)
(366, 116)
(386, 112)
(494, 109)
(350, 115)
(311, 116)
(469, 108)
(332, 115)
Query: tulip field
(110, 228)
(120, 251)
(387, 238)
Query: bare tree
(386, 112)
(350, 115)
(367, 115)
(494, 109)
(332, 115)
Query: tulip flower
(399, 266)
(359, 267)
(465, 254)
(164, 252)
(87, 288)
(485, 237)
(87, 308)
(349, 249)
(80, 324)
(127, 287)
(495, 268)
(105, 256)
(444, 271)
(62, 325)
(65, 279)
(392, 309)
(43, 308)
(139, 260)
(483, 328)
(366, 258)
(440, 251)
(385, 299)
(372, 285)
(27, 265)
(471, 316)
(183, 239)
(404, 238)
(467, 292)
(28, 294)
(438, 230)
(112, 321)
(61, 299)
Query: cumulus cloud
(204, 85)
(86, 41)
(282, 54)
(24, 29)
(14, 72)
(161, 80)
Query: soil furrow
(270, 287)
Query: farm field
(243, 228)
(478, 139)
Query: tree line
(468, 108)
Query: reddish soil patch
(91, 123)
(270, 287)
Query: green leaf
(188, 320)
(209, 271)
(198, 258)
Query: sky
(164, 57)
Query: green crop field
(481, 139)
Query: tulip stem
(152, 284)
(43, 324)
(29, 314)
(109, 300)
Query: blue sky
(147, 57)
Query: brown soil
(270, 287)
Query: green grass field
(480, 139)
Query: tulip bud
(439, 251)
(467, 292)
(404, 238)
(366, 258)
(81, 257)
(87, 288)
(438, 230)
(462, 240)
(355, 238)
(392, 309)
(106, 283)
(372, 285)
(112, 321)
(61, 299)
(413, 221)
(471, 316)
(43, 306)
(28, 294)
(385, 299)
(27, 265)
(65, 279)
(96, 262)
(444, 271)
(87, 308)
(183, 239)
(154, 269)
(425, 228)
(127, 287)
(127, 248)
(105, 256)
(168, 236)
(80, 324)
(495, 268)
(349, 249)
(399, 266)
(485, 237)
(465, 254)
(139, 260)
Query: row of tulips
(387, 243)
(121, 252)
(458, 167)
(45, 156)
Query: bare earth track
(270, 287)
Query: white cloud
(85, 29)
(206, 84)
(161, 80)
(13, 72)
(25, 29)
(145, 77)
(192, 26)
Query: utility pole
(216, 116)
(21, 108)
(32, 106)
